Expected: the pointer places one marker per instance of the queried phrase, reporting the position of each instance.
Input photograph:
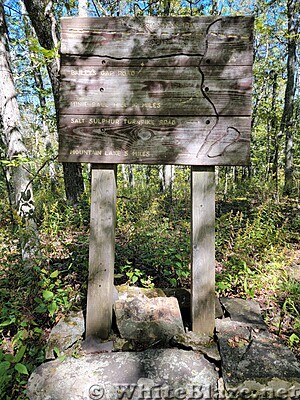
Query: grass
(257, 256)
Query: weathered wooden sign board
(156, 90)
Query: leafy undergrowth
(257, 254)
(259, 259)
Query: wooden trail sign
(156, 90)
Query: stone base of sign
(254, 363)
(65, 334)
(244, 361)
(151, 374)
(201, 343)
(149, 321)
(247, 312)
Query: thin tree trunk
(214, 7)
(39, 83)
(287, 127)
(83, 8)
(167, 178)
(43, 21)
(15, 149)
(128, 175)
(275, 136)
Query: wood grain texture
(188, 78)
(101, 251)
(136, 38)
(153, 140)
(203, 250)
(153, 91)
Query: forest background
(44, 206)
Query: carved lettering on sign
(182, 86)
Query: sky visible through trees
(270, 52)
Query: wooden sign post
(101, 250)
(155, 90)
(203, 249)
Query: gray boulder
(148, 320)
(65, 334)
(152, 374)
(255, 363)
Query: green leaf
(173, 282)
(294, 339)
(41, 308)
(8, 322)
(4, 366)
(54, 274)
(20, 354)
(48, 295)
(56, 351)
(52, 308)
(222, 285)
(21, 368)
(9, 357)
(134, 279)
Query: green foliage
(136, 276)
(248, 240)
(35, 47)
(143, 230)
(54, 295)
(21, 347)
(290, 310)
(11, 369)
(31, 300)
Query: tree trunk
(287, 121)
(128, 174)
(44, 23)
(83, 8)
(16, 151)
(214, 7)
(36, 72)
(274, 131)
(167, 178)
(73, 182)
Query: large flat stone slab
(151, 374)
(202, 343)
(244, 311)
(255, 363)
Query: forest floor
(257, 257)
(274, 303)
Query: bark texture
(12, 138)
(287, 122)
(44, 23)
